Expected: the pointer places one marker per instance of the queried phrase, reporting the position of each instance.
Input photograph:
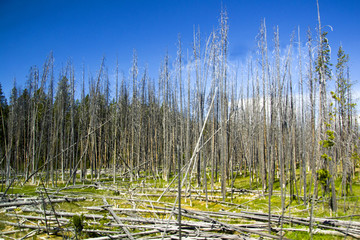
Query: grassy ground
(254, 201)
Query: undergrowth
(255, 200)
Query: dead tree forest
(282, 126)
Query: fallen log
(337, 231)
(43, 228)
(347, 216)
(77, 187)
(208, 223)
(117, 219)
(65, 220)
(11, 232)
(353, 232)
(127, 219)
(55, 229)
(128, 210)
(325, 221)
(209, 213)
(30, 234)
(242, 229)
(209, 236)
(199, 191)
(39, 201)
(120, 236)
(204, 217)
(171, 195)
(276, 218)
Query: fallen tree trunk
(329, 221)
(55, 229)
(204, 217)
(65, 220)
(276, 218)
(120, 236)
(128, 210)
(117, 219)
(39, 201)
(128, 219)
(208, 221)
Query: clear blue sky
(88, 30)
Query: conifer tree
(344, 112)
(3, 118)
(3, 134)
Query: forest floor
(146, 209)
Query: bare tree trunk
(223, 99)
(302, 123)
(115, 126)
(264, 69)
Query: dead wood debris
(133, 223)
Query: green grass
(253, 201)
(28, 189)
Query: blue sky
(85, 31)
